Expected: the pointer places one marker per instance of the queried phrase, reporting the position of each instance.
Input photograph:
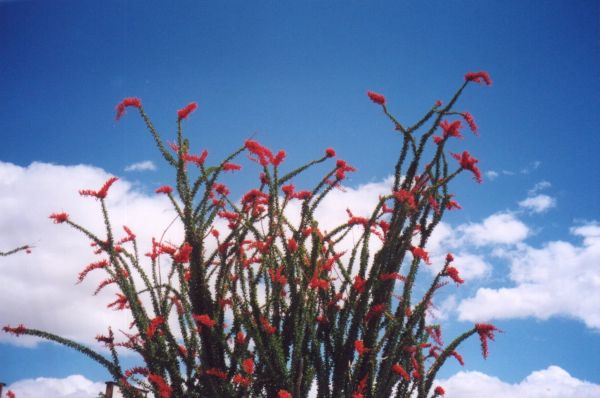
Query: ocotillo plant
(274, 307)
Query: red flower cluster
(468, 162)
(400, 371)
(17, 331)
(453, 274)
(197, 160)
(183, 254)
(404, 196)
(376, 98)
(248, 365)
(153, 326)
(185, 112)
(59, 217)
(451, 129)
(231, 167)
(127, 102)
(263, 155)
(485, 331)
(478, 77)
(439, 391)
(164, 189)
(342, 169)
(277, 276)
(102, 192)
(217, 373)
(284, 394)
(470, 121)
(359, 346)
(204, 320)
(290, 194)
(163, 388)
(419, 252)
(330, 152)
(359, 284)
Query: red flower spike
(231, 167)
(276, 161)
(439, 391)
(263, 154)
(453, 274)
(127, 102)
(406, 197)
(270, 329)
(391, 276)
(359, 346)
(217, 373)
(459, 358)
(400, 371)
(183, 254)
(102, 192)
(451, 129)
(241, 380)
(485, 331)
(248, 365)
(10, 394)
(164, 389)
(471, 122)
(136, 370)
(164, 189)
(59, 217)
(453, 204)
(292, 245)
(419, 252)
(330, 152)
(153, 326)
(478, 77)
(449, 257)
(468, 162)
(284, 394)
(438, 103)
(376, 98)
(204, 320)
(359, 284)
(240, 338)
(120, 303)
(17, 331)
(288, 190)
(185, 112)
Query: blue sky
(294, 75)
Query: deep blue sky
(295, 74)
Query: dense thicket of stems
(272, 305)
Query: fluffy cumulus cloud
(75, 386)
(498, 229)
(39, 289)
(548, 281)
(552, 382)
(538, 204)
(146, 165)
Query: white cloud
(491, 174)
(549, 281)
(146, 165)
(499, 228)
(538, 204)
(75, 386)
(553, 382)
(39, 289)
(539, 186)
